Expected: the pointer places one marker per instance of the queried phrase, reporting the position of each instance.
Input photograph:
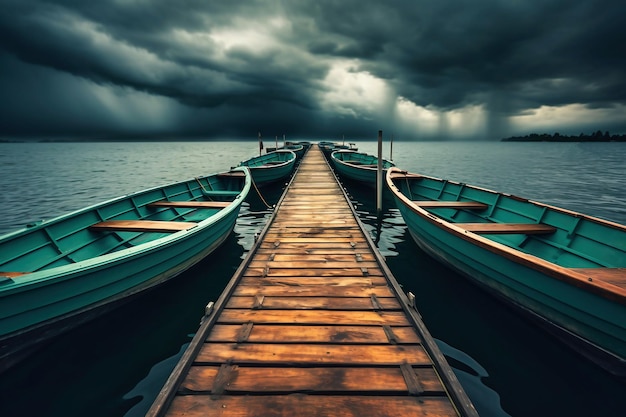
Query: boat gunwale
(565, 274)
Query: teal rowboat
(271, 167)
(565, 269)
(358, 166)
(62, 272)
(297, 149)
(329, 147)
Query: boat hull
(358, 167)
(592, 320)
(45, 304)
(271, 167)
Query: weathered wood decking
(312, 324)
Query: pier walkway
(313, 324)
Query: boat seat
(191, 204)
(141, 226)
(507, 228)
(12, 274)
(221, 193)
(403, 174)
(232, 174)
(272, 163)
(475, 205)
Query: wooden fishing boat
(358, 166)
(271, 167)
(329, 147)
(62, 272)
(565, 269)
(295, 148)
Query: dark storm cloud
(448, 54)
(236, 67)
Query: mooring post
(379, 174)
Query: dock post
(379, 174)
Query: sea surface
(116, 365)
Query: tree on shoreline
(597, 136)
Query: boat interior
(118, 224)
(564, 238)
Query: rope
(408, 187)
(259, 193)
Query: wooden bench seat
(12, 274)
(141, 226)
(403, 174)
(232, 174)
(507, 228)
(191, 204)
(221, 193)
(474, 205)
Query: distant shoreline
(595, 137)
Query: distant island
(557, 137)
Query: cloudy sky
(320, 69)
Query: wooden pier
(313, 324)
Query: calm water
(116, 365)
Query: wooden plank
(330, 198)
(311, 265)
(335, 379)
(291, 243)
(232, 174)
(403, 174)
(300, 281)
(310, 405)
(191, 204)
(315, 256)
(312, 354)
(328, 236)
(475, 205)
(141, 226)
(12, 274)
(313, 290)
(314, 272)
(391, 318)
(507, 228)
(315, 303)
(291, 333)
(615, 276)
(294, 250)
